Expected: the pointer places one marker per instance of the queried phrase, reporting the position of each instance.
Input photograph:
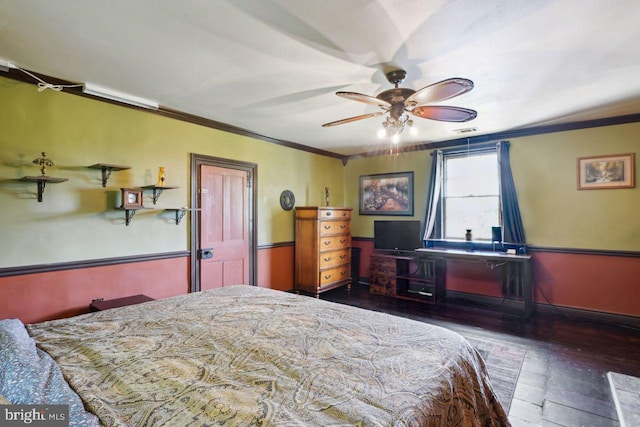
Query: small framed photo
(131, 198)
(387, 194)
(601, 172)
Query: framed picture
(131, 198)
(387, 194)
(613, 171)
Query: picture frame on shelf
(131, 198)
(387, 194)
(606, 172)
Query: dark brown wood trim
(481, 139)
(74, 265)
(577, 251)
(190, 118)
(276, 245)
(171, 113)
(362, 239)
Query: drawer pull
(343, 240)
(327, 259)
(328, 213)
(327, 227)
(343, 256)
(342, 273)
(327, 277)
(343, 226)
(327, 242)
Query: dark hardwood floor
(563, 379)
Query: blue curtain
(431, 229)
(511, 220)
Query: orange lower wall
(45, 296)
(594, 282)
(275, 268)
(603, 283)
(51, 295)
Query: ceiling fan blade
(446, 89)
(353, 119)
(444, 114)
(365, 98)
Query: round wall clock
(287, 200)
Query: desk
(517, 265)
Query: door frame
(198, 160)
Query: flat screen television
(397, 235)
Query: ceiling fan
(397, 101)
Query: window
(470, 194)
(473, 188)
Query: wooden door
(224, 227)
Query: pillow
(29, 376)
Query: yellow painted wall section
(419, 162)
(77, 219)
(554, 212)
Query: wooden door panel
(224, 227)
(233, 272)
(210, 274)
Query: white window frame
(485, 234)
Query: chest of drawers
(322, 248)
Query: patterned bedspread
(245, 356)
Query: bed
(245, 355)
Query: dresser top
(320, 208)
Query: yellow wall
(555, 214)
(77, 219)
(419, 162)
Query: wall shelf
(107, 169)
(129, 213)
(181, 212)
(42, 182)
(157, 190)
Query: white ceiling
(272, 67)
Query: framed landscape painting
(387, 194)
(600, 172)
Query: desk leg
(528, 293)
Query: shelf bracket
(107, 169)
(157, 191)
(129, 214)
(106, 173)
(42, 183)
(41, 186)
(179, 215)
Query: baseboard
(577, 314)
